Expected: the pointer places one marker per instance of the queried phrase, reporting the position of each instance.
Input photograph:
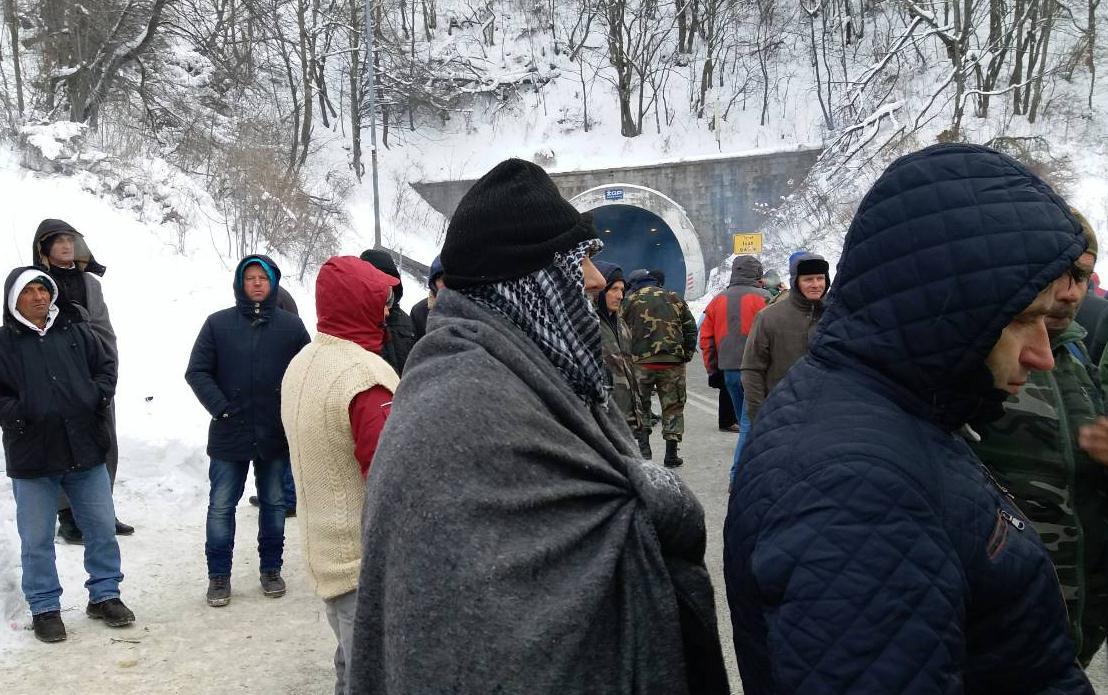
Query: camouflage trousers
(670, 385)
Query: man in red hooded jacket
(335, 397)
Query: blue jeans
(290, 486)
(732, 379)
(36, 504)
(228, 479)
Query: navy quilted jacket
(866, 549)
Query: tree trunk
(11, 10)
(355, 91)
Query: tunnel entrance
(642, 228)
(637, 238)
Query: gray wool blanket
(515, 542)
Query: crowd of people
(917, 492)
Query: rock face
(57, 148)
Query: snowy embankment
(158, 297)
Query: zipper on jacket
(1011, 519)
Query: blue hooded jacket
(236, 367)
(866, 549)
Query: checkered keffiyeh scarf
(551, 308)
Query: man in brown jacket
(781, 331)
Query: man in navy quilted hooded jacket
(866, 548)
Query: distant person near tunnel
(728, 319)
(663, 340)
(235, 370)
(65, 254)
(780, 335)
(616, 342)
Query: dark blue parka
(236, 368)
(866, 549)
(54, 393)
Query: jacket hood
(270, 302)
(639, 279)
(350, 297)
(949, 245)
(746, 270)
(382, 260)
(82, 256)
(612, 274)
(14, 284)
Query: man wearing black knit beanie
(521, 496)
(401, 334)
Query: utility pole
(372, 100)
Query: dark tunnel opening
(636, 238)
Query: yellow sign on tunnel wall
(748, 243)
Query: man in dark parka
(866, 548)
(235, 370)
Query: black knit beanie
(382, 260)
(510, 224)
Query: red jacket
(350, 297)
(727, 322)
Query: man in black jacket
(401, 335)
(56, 383)
(62, 250)
(235, 371)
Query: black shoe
(672, 460)
(122, 529)
(253, 500)
(112, 612)
(67, 528)
(219, 591)
(272, 584)
(643, 438)
(49, 626)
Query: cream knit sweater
(316, 393)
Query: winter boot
(219, 591)
(643, 438)
(49, 626)
(122, 529)
(111, 611)
(672, 460)
(67, 528)
(272, 584)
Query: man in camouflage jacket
(616, 343)
(1033, 451)
(663, 340)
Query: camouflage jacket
(1033, 452)
(616, 342)
(663, 329)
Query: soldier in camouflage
(1033, 451)
(616, 342)
(663, 340)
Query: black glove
(715, 380)
(228, 413)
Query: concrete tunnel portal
(677, 216)
(642, 228)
